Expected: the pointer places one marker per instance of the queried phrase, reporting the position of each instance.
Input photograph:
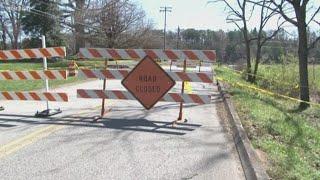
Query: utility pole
(165, 9)
(178, 38)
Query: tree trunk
(15, 43)
(4, 37)
(256, 65)
(248, 53)
(4, 32)
(79, 28)
(303, 65)
(4, 41)
(15, 33)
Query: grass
(33, 85)
(29, 84)
(285, 78)
(290, 139)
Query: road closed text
(145, 86)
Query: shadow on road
(130, 124)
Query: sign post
(148, 82)
(45, 67)
(47, 112)
(103, 111)
(182, 91)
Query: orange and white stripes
(33, 75)
(191, 77)
(102, 74)
(205, 55)
(34, 96)
(120, 74)
(125, 95)
(33, 53)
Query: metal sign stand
(47, 112)
(200, 66)
(103, 111)
(182, 92)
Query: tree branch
(314, 15)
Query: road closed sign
(148, 82)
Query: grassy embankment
(290, 139)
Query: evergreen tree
(43, 18)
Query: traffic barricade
(145, 54)
(32, 95)
(34, 75)
(18, 54)
(138, 54)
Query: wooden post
(104, 88)
(182, 90)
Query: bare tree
(12, 10)
(117, 21)
(105, 22)
(239, 15)
(76, 10)
(296, 12)
(261, 39)
(4, 31)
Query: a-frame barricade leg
(200, 66)
(103, 111)
(182, 92)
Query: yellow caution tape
(266, 92)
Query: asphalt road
(129, 143)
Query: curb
(251, 164)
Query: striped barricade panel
(32, 53)
(205, 55)
(34, 96)
(115, 94)
(102, 74)
(33, 75)
(191, 77)
(120, 74)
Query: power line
(44, 14)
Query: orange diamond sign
(148, 82)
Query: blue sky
(196, 14)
